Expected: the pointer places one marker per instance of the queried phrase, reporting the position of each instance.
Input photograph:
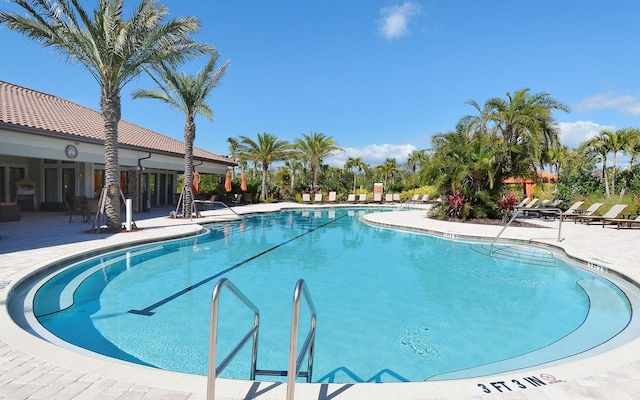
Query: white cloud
(572, 134)
(373, 154)
(627, 104)
(394, 22)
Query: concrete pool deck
(31, 368)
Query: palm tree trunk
(110, 109)
(189, 137)
(265, 170)
(613, 175)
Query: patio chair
(522, 203)
(351, 198)
(621, 222)
(528, 206)
(414, 198)
(332, 197)
(79, 209)
(396, 198)
(317, 198)
(424, 199)
(592, 208)
(613, 213)
(362, 198)
(555, 213)
(535, 210)
(377, 197)
(306, 198)
(388, 198)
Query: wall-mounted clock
(71, 151)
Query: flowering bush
(507, 203)
(455, 204)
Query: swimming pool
(389, 308)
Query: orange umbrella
(243, 184)
(196, 182)
(227, 182)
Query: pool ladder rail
(294, 364)
(522, 210)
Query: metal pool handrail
(309, 343)
(242, 218)
(213, 336)
(515, 214)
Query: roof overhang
(51, 145)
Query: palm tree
(315, 148)
(524, 118)
(634, 146)
(595, 149)
(415, 159)
(525, 123)
(113, 50)
(233, 148)
(356, 164)
(390, 169)
(293, 166)
(187, 93)
(266, 150)
(621, 140)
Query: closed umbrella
(227, 182)
(243, 183)
(196, 182)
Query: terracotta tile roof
(50, 114)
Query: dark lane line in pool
(148, 310)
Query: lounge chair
(613, 213)
(351, 198)
(592, 208)
(522, 203)
(535, 210)
(332, 197)
(237, 200)
(621, 222)
(362, 198)
(528, 206)
(414, 198)
(554, 213)
(396, 198)
(388, 198)
(377, 197)
(424, 199)
(317, 198)
(306, 198)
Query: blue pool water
(392, 305)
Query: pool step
(522, 254)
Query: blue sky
(380, 77)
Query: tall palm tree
(315, 148)
(293, 166)
(188, 94)
(267, 150)
(595, 149)
(113, 50)
(415, 159)
(525, 124)
(233, 149)
(525, 118)
(615, 142)
(634, 146)
(355, 164)
(390, 169)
